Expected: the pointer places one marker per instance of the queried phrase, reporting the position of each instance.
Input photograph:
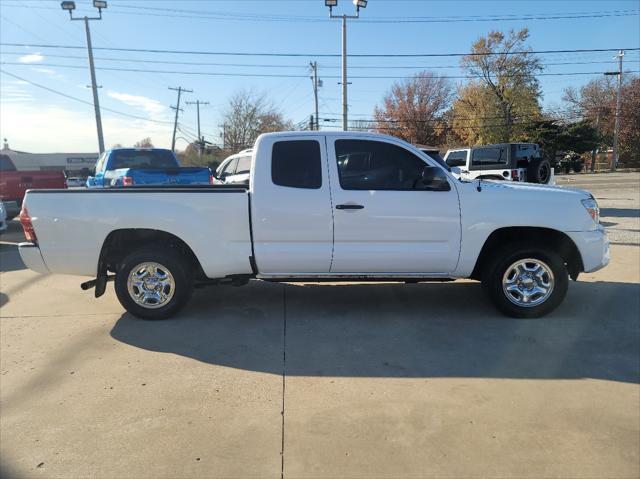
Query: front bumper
(32, 258)
(593, 247)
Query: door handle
(349, 207)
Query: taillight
(27, 226)
(127, 181)
(212, 180)
(514, 175)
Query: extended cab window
(296, 164)
(244, 165)
(374, 165)
(486, 157)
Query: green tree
(554, 136)
(505, 94)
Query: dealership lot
(359, 380)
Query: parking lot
(323, 381)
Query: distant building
(74, 164)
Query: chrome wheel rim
(528, 282)
(151, 285)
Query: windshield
(142, 159)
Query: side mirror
(434, 179)
(456, 170)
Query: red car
(14, 184)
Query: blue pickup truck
(144, 166)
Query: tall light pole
(99, 4)
(614, 162)
(359, 4)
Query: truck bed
(212, 220)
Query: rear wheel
(154, 283)
(539, 171)
(526, 281)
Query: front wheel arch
(556, 240)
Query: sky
(136, 104)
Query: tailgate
(170, 176)
(13, 184)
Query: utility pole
(177, 109)
(594, 153)
(616, 130)
(200, 138)
(224, 135)
(99, 4)
(314, 79)
(359, 4)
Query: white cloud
(31, 58)
(15, 92)
(49, 72)
(153, 107)
(48, 129)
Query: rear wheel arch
(546, 237)
(119, 243)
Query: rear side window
(244, 165)
(296, 164)
(489, 156)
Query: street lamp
(70, 6)
(358, 4)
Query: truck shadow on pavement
(389, 330)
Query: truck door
(291, 210)
(383, 221)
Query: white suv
(506, 161)
(235, 170)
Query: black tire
(577, 167)
(172, 262)
(496, 270)
(539, 171)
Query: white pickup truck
(320, 207)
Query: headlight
(591, 206)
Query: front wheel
(527, 281)
(154, 283)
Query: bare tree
(507, 69)
(247, 116)
(413, 108)
(144, 143)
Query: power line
(81, 100)
(249, 17)
(276, 75)
(294, 66)
(325, 55)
